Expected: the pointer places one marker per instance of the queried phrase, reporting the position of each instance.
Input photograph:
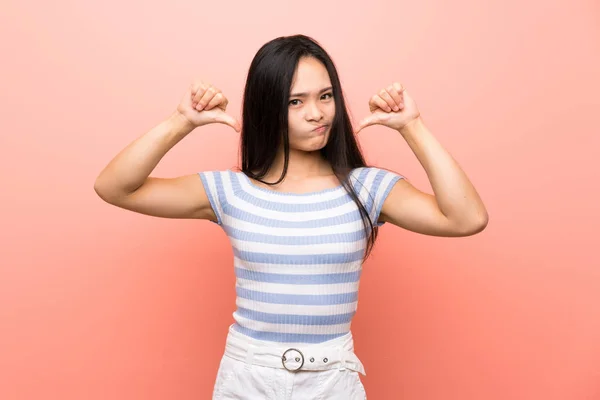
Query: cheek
(292, 121)
(332, 108)
(293, 129)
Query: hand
(204, 104)
(392, 107)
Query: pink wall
(101, 303)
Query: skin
(311, 104)
(455, 208)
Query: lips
(319, 127)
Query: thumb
(368, 121)
(227, 119)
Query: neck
(302, 164)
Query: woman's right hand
(204, 104)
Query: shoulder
(219, 177)
(373, 177)
(373, 185)
(219, 182)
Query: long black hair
(265, 118)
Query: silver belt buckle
(283, 359)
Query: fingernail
(395, 108)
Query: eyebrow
(304, 94)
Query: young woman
(302, 214)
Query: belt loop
(342, 356)
(249, 356)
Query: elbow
(480, 227)
(470, 226)
(100, 190)
(104, 192)
(110, 193)
(477, 225)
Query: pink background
(101, 303)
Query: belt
(337, 353)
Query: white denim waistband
(336, 353)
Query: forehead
(310, 75)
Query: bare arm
(125, 181)
(456, 208)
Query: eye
(296, 100)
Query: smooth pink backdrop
(101, 303)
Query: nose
(313, 112)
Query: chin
(314, 144)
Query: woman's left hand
(392, 107)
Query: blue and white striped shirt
(297, 257)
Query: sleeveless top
(297, 256)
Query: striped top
(297, 257)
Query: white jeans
(257, 370)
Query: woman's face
(310, 105)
